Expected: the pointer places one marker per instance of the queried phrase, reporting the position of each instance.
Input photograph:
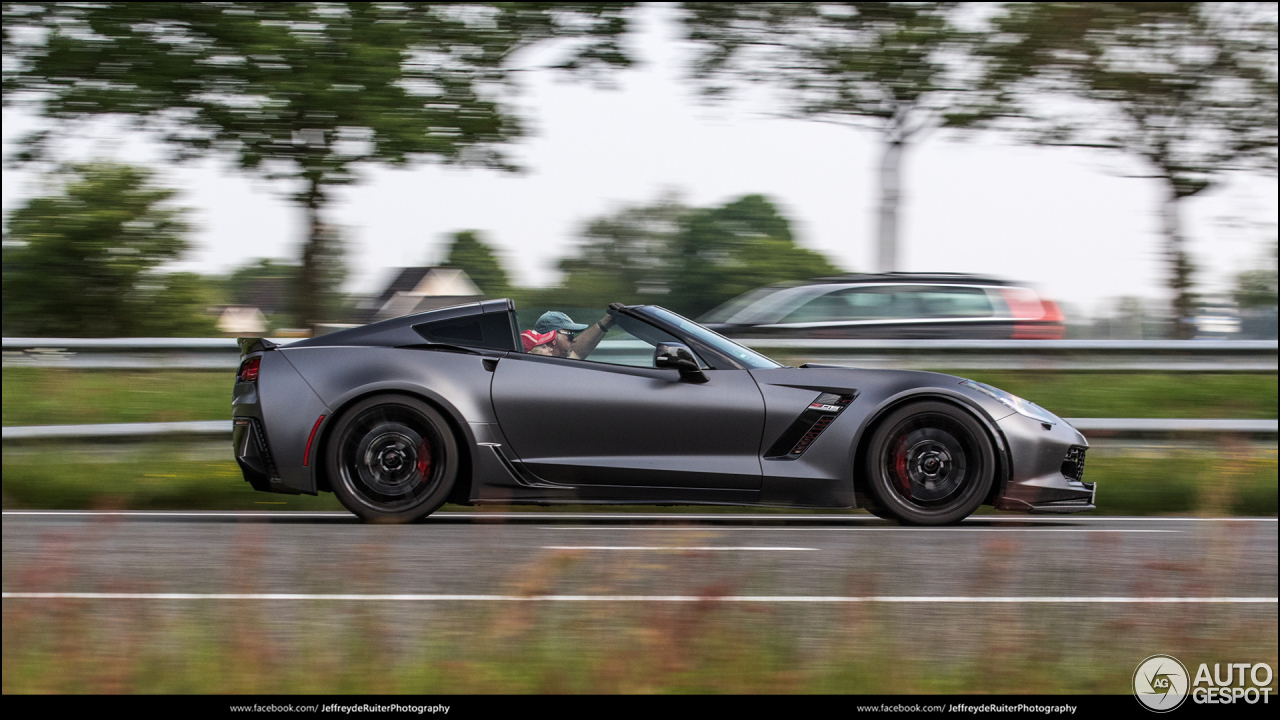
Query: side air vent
(258, 437)
(802, 433)
(1073, 463)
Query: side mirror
(680, 357)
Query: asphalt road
(789, 558)
(1002, 604)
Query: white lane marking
(663, 547)
(883, 529)
(1046, 599)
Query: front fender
(987, 411)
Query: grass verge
(1231, 480)
(36, 396)
(249, 647)
(1140, 395)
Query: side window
(486, 330)
(874, 303)
(867, 303)
(630, 342)
(823, 308)
(951, 302)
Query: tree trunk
(890, 197)
(310, 275)
(1180, 268)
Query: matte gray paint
(1037, 453)
(567, 431)
(824, 476)
(289, 412)
(455, 380)
(577, 423)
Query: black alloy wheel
(392, 458)
(930, 463)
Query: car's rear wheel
(930, 463)
(392, 458)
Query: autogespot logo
(1160, 683)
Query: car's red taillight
(249, 370)
(1034, 319)
(1023, 303)
(1053, 313)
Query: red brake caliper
(424, 461)
(900, 467)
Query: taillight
(249, 370)
(1023, 303)
(1033, 318)
(1054, 324)
(1053, 313)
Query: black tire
(875, 509)
(392, 459)
(930, 463)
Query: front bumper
(1047, 468)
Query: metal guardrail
(1113, 355)
(1092, 355)
(125, 353)
(196, 429)
(1114, 427)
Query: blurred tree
(173, 305)
(303, 92)
(872, 65)
(80, 262)
(721, 253)
(1258, 287)
(473, 256)
(262, 283)
(1187, 88)
(687, 259)
(624, 257)
(318, 283)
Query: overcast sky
(1065, 221)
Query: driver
(557, 335)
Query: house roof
(242, 320)
(420, 288)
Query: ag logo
(1160, 683)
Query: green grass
(161, 477)
(1233, 482)
(1227, 481)
(1139, 395)
(34, 396)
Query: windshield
(748, 358)
(770, 308)
(725, 312)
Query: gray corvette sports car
(457, 405)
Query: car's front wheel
(392, 458)
(930, 463)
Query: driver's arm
(588, 339)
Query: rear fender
(289, 410)
(461, 430)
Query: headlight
(1014, 403)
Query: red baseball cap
(531, 339)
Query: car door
(611, 421)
